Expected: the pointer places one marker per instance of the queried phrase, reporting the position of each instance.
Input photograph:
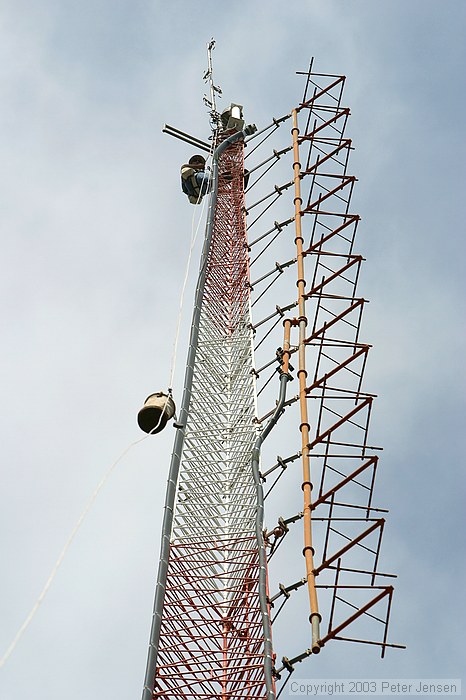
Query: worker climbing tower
(296, 323)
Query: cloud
(94, 246)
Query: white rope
(70, 539)
(194, 234)
(103, 481)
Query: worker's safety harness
(190, 185)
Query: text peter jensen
(376, 687)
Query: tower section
(207, 635)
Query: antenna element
(215, 120)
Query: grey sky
(94, 233)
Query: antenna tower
(275, 366)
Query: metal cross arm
(183, 136)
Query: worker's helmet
(197, 160)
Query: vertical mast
(214, 90)
(207, 632)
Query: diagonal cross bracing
(211, 637)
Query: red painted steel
(209, 648)
(348, 538)
(226, 295)
(211, 639)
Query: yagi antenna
(214, 90)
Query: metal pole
(308, 551)
(263, 599)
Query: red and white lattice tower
(211, 629)
(210, 639)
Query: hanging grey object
(158, 409)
